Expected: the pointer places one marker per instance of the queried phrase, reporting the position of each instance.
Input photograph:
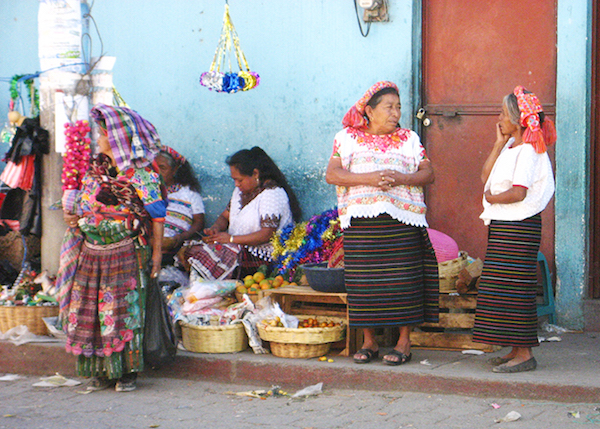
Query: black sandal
(402, 358)
(370, 354)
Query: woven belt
(125, 242)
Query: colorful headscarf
(179, 158)
(355, 117)
(535, 134)
(133, 140)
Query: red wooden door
(474, 53)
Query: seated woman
(185, 212)
(262, 203)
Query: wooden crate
(454, 330)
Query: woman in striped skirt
(391, 272)
(519, 183)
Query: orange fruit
(258, 277)
(265, 285)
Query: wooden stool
(304, 300)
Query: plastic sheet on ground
(50, 323)
(21, 335)
(472, 352)
(513, 416)
(315, 389)
(57, 380)
(10, 377)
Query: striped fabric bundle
(391, 273)
(506, 303)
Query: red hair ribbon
(539, 136)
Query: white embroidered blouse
(361, 152)
(270, 208)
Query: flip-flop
(370, 354)
(402, 358)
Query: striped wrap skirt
(506, 312)
(391, 273)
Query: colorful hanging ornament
(77, 154)
(231, 82)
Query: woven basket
(304, 336)
(253, 297)
(214, 339)
(448, 272)
(290, 350)
(31, 316)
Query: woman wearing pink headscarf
(519, 184)
(379, 170)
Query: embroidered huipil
(104, 224)
(270, 209)
(361, 152)
(184, 204)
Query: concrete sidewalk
(568, 371)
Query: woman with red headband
(519, 184)
(379, 170)
(185, 212)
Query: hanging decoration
(77, 154)
(219, 81)
(307, 242)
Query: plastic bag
(160, 342)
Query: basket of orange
(312, 337)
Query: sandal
(402, 358)
(370, 355)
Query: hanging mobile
(231, 82)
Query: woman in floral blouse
(379, 170)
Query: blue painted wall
(572, 160)
(313, 63)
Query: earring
(257, 180)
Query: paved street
(171, 403)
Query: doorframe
(594, 272)
(417, 64)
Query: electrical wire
(359, 24)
